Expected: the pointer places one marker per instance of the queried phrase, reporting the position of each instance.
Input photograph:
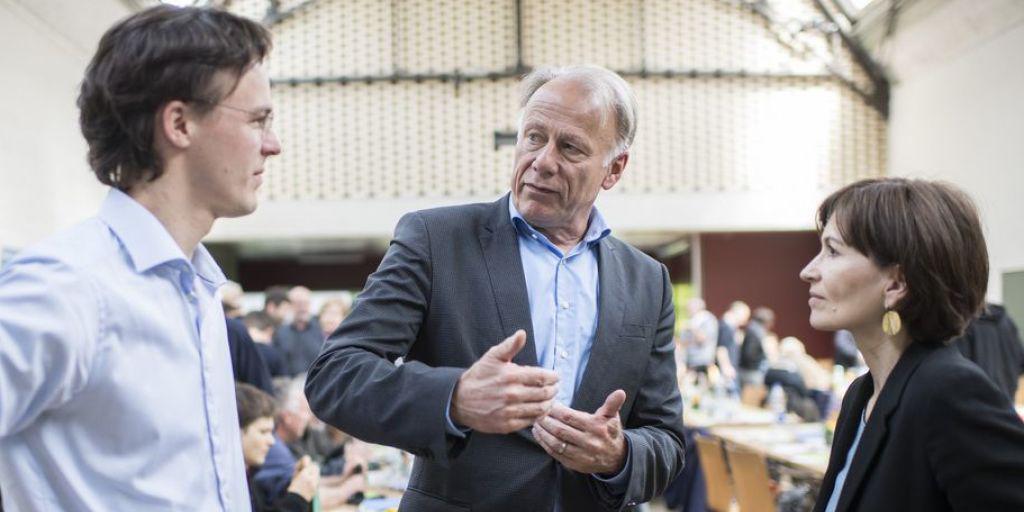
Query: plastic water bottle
(777, 403)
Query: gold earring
(891, 323)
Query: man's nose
(546, 161)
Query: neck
(184, 220)
(881, 353)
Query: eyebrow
(832, 240)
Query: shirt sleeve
(50, 318)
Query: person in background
(332, 312)
(730, 335)
(846, 354)
(700, 338)
(993, 343)
(261, 329)
(301, 339)
(759, 346)
(231, 298)
(924, 429)
(256, 411)
(116, 383)
(277, 305)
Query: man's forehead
(567, 97)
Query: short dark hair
(258, 320)
(161, 54)
(253, 404)
(275, 295)
(932, 232)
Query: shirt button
(564, 353)
(565, 304)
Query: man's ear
(173, 124)
(615, 170)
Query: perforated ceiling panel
(402, 98)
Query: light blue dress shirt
(837, 489)
(116, 389)
(563, 290)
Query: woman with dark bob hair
(903, 266)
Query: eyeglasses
(263, 118)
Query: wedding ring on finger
(561, 449)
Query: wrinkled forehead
(571, 100)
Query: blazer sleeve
(655, 424)
(355, 385)
(976, 443)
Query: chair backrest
(750, 476)
(1020, 391)
(753, 394)
(716, 473)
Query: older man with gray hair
(538, 365)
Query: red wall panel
(762, 269)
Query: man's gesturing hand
(587, 443)
(497, 396)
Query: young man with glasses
(116, 388)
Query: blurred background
(751, 111)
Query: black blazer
(941, 437)
(450, 287)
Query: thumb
(508, 349)
(612, 404)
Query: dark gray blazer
(451, 286)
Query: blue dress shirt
(563, 291)
(837, 488)
(116, 389)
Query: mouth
(535, 188)
(815, 298)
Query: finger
(530, 411)
(612, 404)
(547, 441)
(528, 394)
(508, 348)
(577, 419)
(532, 376)
(564, 432)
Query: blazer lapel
(859, 393)
(500, 245)
(611, 308)
(875, 431)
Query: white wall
(45, 182)
(960, 117)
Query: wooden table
(800, 446)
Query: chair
(754, 489)
(716, 473)
(1020, 391)
(753, 395)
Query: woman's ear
(896, 286)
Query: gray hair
(289, 392)
(604, 85)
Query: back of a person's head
(932, 233)
(252, 404)
(275, 295)
(161, 54)
(258, 320)
(764, 316)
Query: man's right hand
(306, 478)
(497, 396)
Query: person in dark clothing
(753, 355)
(248, 364)
(993, 343)
(261, 330)
(846, 354)
(256, 411)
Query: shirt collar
(597, 228)
(147, 241)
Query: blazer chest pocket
(635, 332)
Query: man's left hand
(587, 443)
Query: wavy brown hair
(161, 54)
